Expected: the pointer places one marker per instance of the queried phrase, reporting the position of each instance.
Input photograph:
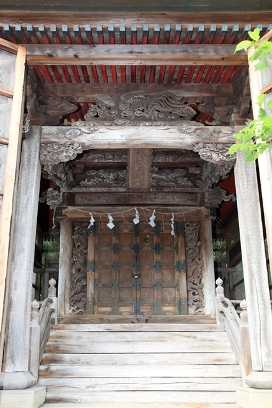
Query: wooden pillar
(254, 264)
(65, 266)
(258, 80)
(22, 252)
(208, 263)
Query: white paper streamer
(152, 219)
(172, 223)
(136, 219)
(110, 223)
(91, 221)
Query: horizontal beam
(106, 136)
(128, 18)
(83, 93)
(133, 199)
(164, 54)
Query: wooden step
(126, 371)
(137, 342)
(138, 359)
(139, 327)
(85, 318)
(66, 394)
(144, 384)
(138, 405)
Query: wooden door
(12, 72)
(137, 271)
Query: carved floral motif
(194, 269)
(213, 152)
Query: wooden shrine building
(115, 125)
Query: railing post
(245, 355)
(220, 295)
(52, 294)
(35, 333)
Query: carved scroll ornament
(213, 152)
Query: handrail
(236, 327)
(42, 315)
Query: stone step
(144, 384)
(137, 359)
(67, 394)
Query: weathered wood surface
(3, 155)
(65, 266)
(65, 394)
(22, 249)
(254, 264)
(11, 170)
(119, 404)
(258, 80)
(141, 342)
(91, 274)
(208, 260)
(163, 54)
(89, 94)
(106, 136)
(128, 18)
(138, 359)
(139, 169)
(155, 384)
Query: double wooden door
(136, 270)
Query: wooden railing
(235, 326)
(43, 314)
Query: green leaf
(255, 35)
(261, 65)
(269, 104)
(243, 45)
(260, 99)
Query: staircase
(139, 365)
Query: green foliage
(256, 136)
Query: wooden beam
(83, 93)
(128, 18)
(13, 155)
(65, 266)
(164, 54)
(134, 199)
(139, 169)
(103, 136)
(8, 46)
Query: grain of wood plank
(163, 54)
(65, 394)
(141, 384)
(138, 327)
(140, 358)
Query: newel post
(220, 296)
(245, 356)
(52, 294)
(35, 334)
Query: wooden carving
(213, 152)
(194, 269)
(103, 178)
(139, 107)
(78, 290)
(177, 178)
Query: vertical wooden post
(22, 251)
(13, 155)
(254, 264)
(258, 80)
(65, 266)
(208, 263)
(90, 273)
